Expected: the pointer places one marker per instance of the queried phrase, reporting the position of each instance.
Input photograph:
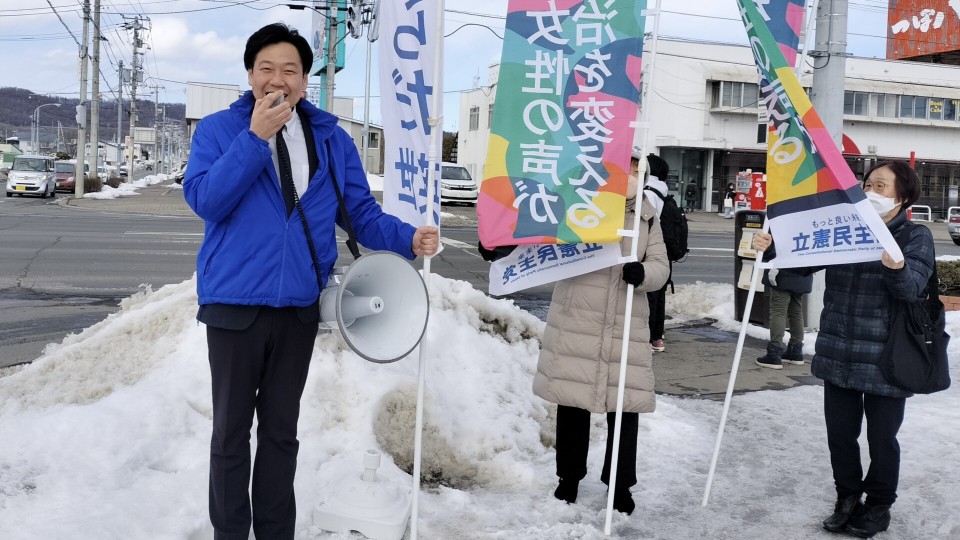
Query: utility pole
(332, 34)
(370, 18)
(134, 75)
(95, 95)
(826, 94)
(830, 65)
(157, 141)
(80, 176)
(120, 81)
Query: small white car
(456, 185)
(32, 175)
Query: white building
(704, 118)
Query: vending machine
(750, 191)
(748, 222)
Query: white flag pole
(436, 126)
(754, 282)
(644, 126)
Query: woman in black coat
(854, 326)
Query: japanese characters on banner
(408, 49)
(818, 213)
(539, 264)
(563, 123)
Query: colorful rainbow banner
(785, 23)
(817, 211)
(563, 123)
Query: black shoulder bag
(915, 355)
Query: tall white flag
(407, 53)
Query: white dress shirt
(297, 148)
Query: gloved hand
(496, 253)
(633, 273)
(772, 276)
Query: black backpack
(673, 223)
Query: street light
(35, 135)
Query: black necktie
(286, 173)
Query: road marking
(135, 233)
(456, 243)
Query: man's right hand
(266, 120)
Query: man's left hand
(425, 241)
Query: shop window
(855, 103)
(885, 105)
(950, 109)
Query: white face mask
(883, 205)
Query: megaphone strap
(347, 225)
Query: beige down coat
(579, 363)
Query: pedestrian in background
(691, 196)
(657, 299)
(787, 289)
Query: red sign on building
(927, 30)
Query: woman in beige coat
(579, 366)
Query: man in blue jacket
(259, 174)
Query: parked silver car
(32, 175)
(456, 185)
(953, 224)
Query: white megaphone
(380, 306)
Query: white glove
(772, 276)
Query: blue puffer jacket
(252, 253)
(856, 313)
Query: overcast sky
(203, 40)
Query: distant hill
(17, 106)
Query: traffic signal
(355, 18)
(81, 115)
(373, 31)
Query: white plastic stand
(374, 507)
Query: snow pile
(107, 436)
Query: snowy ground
(127, 189)
(106, 436)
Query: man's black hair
(658, 167)
(272, 34)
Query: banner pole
(754, 282)
(647, 81)
(436, 125)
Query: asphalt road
(63, 269)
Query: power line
(77, 41)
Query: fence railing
(921, 212)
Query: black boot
(772, 359)
(869, 521)
(793, 354)
(623, 501)
(567, 490)
(842, 512)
